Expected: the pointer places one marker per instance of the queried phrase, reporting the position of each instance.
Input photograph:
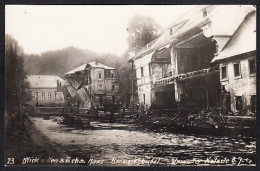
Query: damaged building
(92, 84)
(237, 65)
(179, 66)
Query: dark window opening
(99, 75)
(236, 70)
(252, 68)
(253, 103)
(113, 99)
(223, 72)
(239, 103)
(142, 71)
(144, 98)
(113, 87)
(226, 103)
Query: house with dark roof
(177, 68)
(94, 84)
(237, 65)
(45, 90)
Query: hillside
(61, 61)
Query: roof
(194, 19)
(80, 68)
(43, 81)
(184, 23)
(99, 65)
(243, 41)
(84, 66)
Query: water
(111, 141)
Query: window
(236, 70)
(43, 95)
(142, 71)
(113, 99)
(100, 87)
(37, 95)
(112, 75)
(238, 103)
(49, 95)
(113, 87)
(144, 98)
(99, 75)
(252, 68)
(253, 103)
(224, 72)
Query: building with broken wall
(176, 67)
(94, 84)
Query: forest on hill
(59, 62)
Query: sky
(100, 28)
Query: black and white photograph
(130, 85)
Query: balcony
(194, 74)
(164, 81)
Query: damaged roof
(184, 23)
(243, 41)
(99, 65)
(193, 19)
(92, 64)
(80, 68)
(44, 81)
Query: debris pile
(206, 118)
(75, 121)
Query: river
(125, 144)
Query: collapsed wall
(76, 94)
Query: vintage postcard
(130, 85)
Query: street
(109, 141)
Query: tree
(15, 76)
(141, 29)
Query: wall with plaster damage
(243, 85)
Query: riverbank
(210, 123)
(28, 146)
(107, 142)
